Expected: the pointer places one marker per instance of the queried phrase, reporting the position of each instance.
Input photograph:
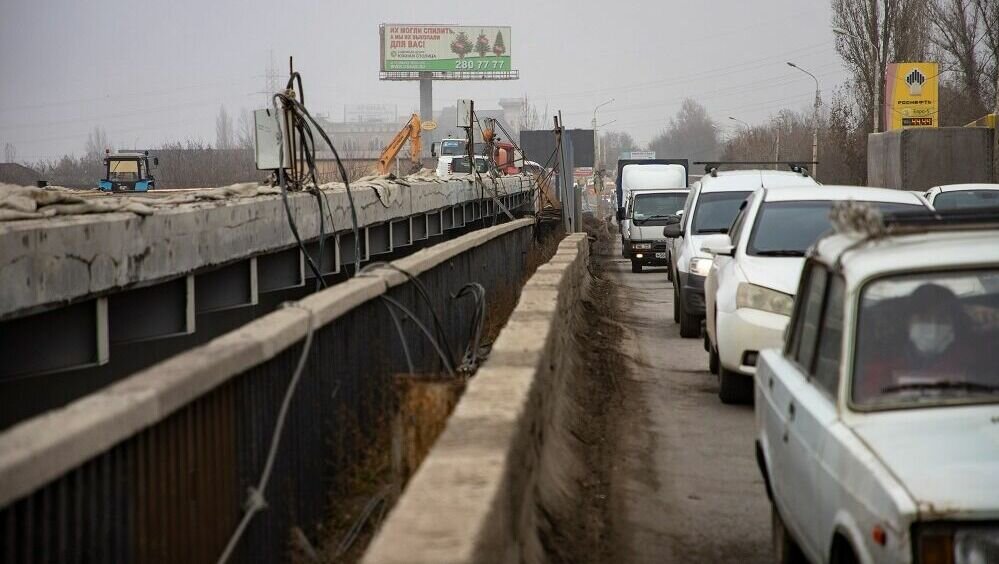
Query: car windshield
(651, 205)
(927, 339)
(715, 211)
(123, 169)
(452, 147)
(966, 199)
(790, 228)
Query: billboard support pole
(426, 104)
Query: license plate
(661, 255)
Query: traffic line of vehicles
(862, 323)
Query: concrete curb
(45, 447)
(502, 464)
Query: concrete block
(919, 159)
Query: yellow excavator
(410, 131)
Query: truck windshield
(123, 169)
(460, 165)
(966, 199)
(452, 147)
(790, 228)
(649, 205)
(927, 339)
(715, 211)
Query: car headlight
(957, 545)
(757, 297)
(641, 246)
(700, 266)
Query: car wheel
(676, 304)
(636, 266)
(690, 325)
(842, 552)
(786, 550)
(734, 388)
(713, 361)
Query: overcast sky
(151, 72)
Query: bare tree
(224, 137)
(956, 25)
(691, 134)
(246, 131)
(97, 143)
(988, 15)
(9, 153)
(875, 32)
(529, 117)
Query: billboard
(912, 95)
(480, 49)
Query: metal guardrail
(156, 468)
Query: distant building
(13, 173)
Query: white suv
(963, 196)
(878, 423)
(713, 203)
(749, 291)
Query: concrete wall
(504, 470)
(49, 263)
(919, 159)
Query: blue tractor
(127, 171)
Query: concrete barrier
(503, 473)
(919, 159)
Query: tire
(636, 266)
(669, 271)
(676, 304)
(786, 550)
(690, 325)
(713, 361)
(842, 552)
(734, 388)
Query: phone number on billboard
(462, 64)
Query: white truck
(668, 177)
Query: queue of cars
(863, 324)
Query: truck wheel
(676, 304)
(734, 388)
(690, 325)
(786, 550)
(636, 266)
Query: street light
(597, 166)
(740, 121)
(815, 118)
(877, 73)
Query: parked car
(962, 196)
(713, 203)
(646, 214)
(877, 423)
(749, 290)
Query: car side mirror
(672, 229)
(679, 213)
(620, 214)
(720, 244)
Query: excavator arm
(410, 131)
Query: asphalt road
(684, 486)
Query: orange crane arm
(410, 131)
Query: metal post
(426, 105)
(995, 134)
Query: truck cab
(127, 171)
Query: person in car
(936, 347)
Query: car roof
(749, 180)
(938, 250)
(637, 193)
(961, 187)
(861, 193)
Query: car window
(808, 318)
(661, 205)
(740, 219)
(963, 199)
(831, 338)
(927, 339)
(790, 228)
(715, 211)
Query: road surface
(683, 486)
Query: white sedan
(749, 290)
(878, 422)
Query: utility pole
(815, 121)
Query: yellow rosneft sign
(912, 95)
